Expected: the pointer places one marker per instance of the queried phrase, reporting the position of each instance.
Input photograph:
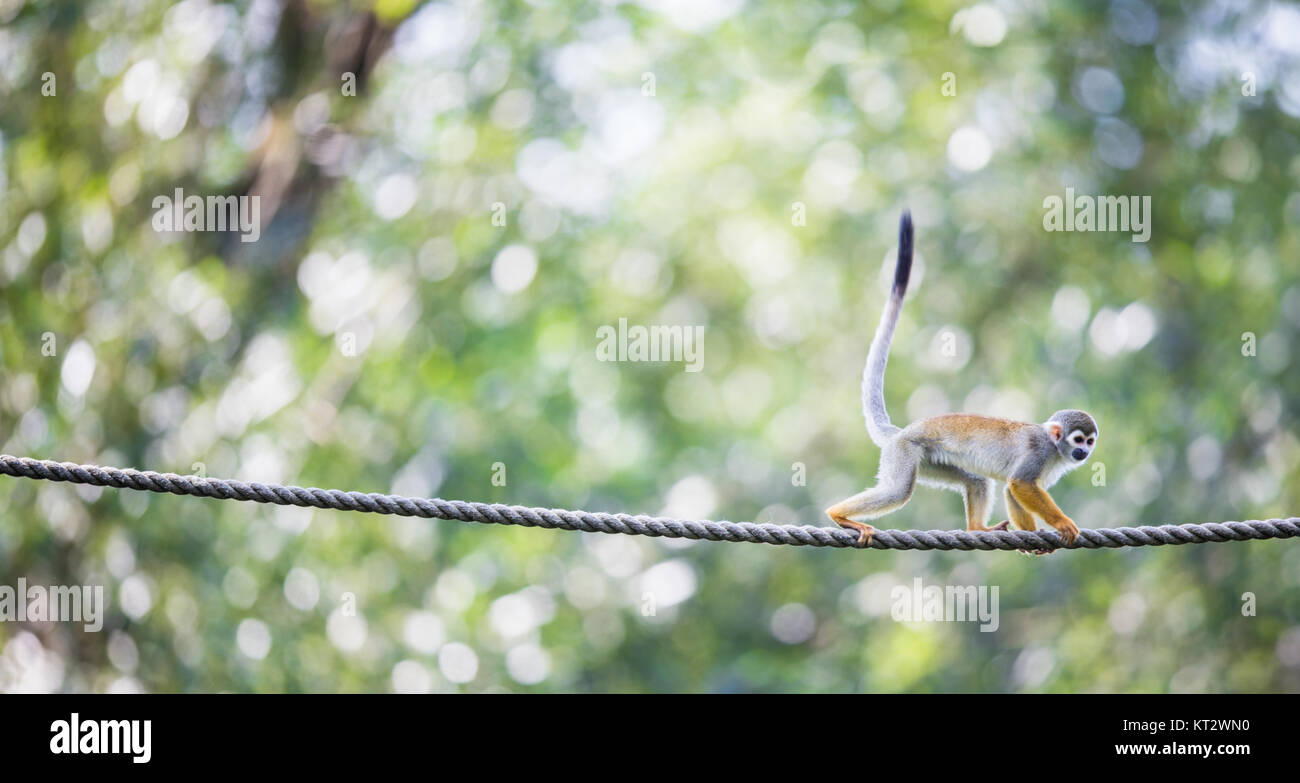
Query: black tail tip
(904, 268)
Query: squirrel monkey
(959, 451)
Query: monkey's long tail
(879, 426)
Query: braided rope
(597, 522)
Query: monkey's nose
(1079, 454)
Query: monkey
(962, 452)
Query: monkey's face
(1075, 434)
(1078, 445)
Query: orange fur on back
(963, 440)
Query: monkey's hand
(1068, 530)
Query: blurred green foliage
(735, 165)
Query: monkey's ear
(1054, 430)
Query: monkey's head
(1075, 435)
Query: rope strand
(637, 525)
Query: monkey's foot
(999, 526)
(865, 531)
(1034, 552)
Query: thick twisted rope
(597, 522)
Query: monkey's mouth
(1079, 454)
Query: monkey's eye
(1078, 439)
(1091, 441)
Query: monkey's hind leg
(894, 485)
(979, 504)
(976, 492)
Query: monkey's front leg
(1023, 521)
(1035, 499)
